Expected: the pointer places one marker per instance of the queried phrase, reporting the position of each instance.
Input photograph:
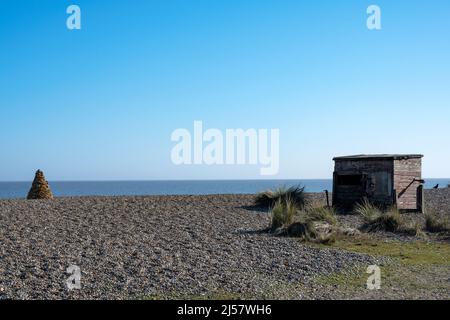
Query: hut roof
(379, 157)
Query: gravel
(438, 201)
(167, 246)
(136, 247)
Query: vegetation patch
(269, 198)
(282, 213)
(297, 218)
(412, 268)
(436, 224)
(292, 216)
(309, 224)
(347, 278)
(323, 214)
(390, 220)
(367, 210)
(411, 253)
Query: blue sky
(100, 103)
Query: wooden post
(328, 199)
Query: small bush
(323, 214)
(282, 213)
(368, 211)
(269, 199)
(434, 224)
(390, 221)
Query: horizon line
(188, 180)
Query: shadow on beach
(256, 208)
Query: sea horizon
(19, 189)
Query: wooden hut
(385, 180)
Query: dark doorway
(350, 180)
(420, 199)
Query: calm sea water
(9, 190)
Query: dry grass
(321, 214)
(377, 220)
(390, 221)
(368, 211)
(311, 224)
(282, 213)
(269, 198)
(436, 224)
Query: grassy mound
(309, 224)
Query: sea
(17, 190)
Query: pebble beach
(158, 246)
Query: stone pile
(40, 188)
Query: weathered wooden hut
(385, 180)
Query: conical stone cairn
(40, 188)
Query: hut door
(420, 199)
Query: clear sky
(101, 103)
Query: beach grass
(269, 198)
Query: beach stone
(347, 231)
(40, 188)
(322, 228)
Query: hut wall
(405, 171)
(376, 184)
